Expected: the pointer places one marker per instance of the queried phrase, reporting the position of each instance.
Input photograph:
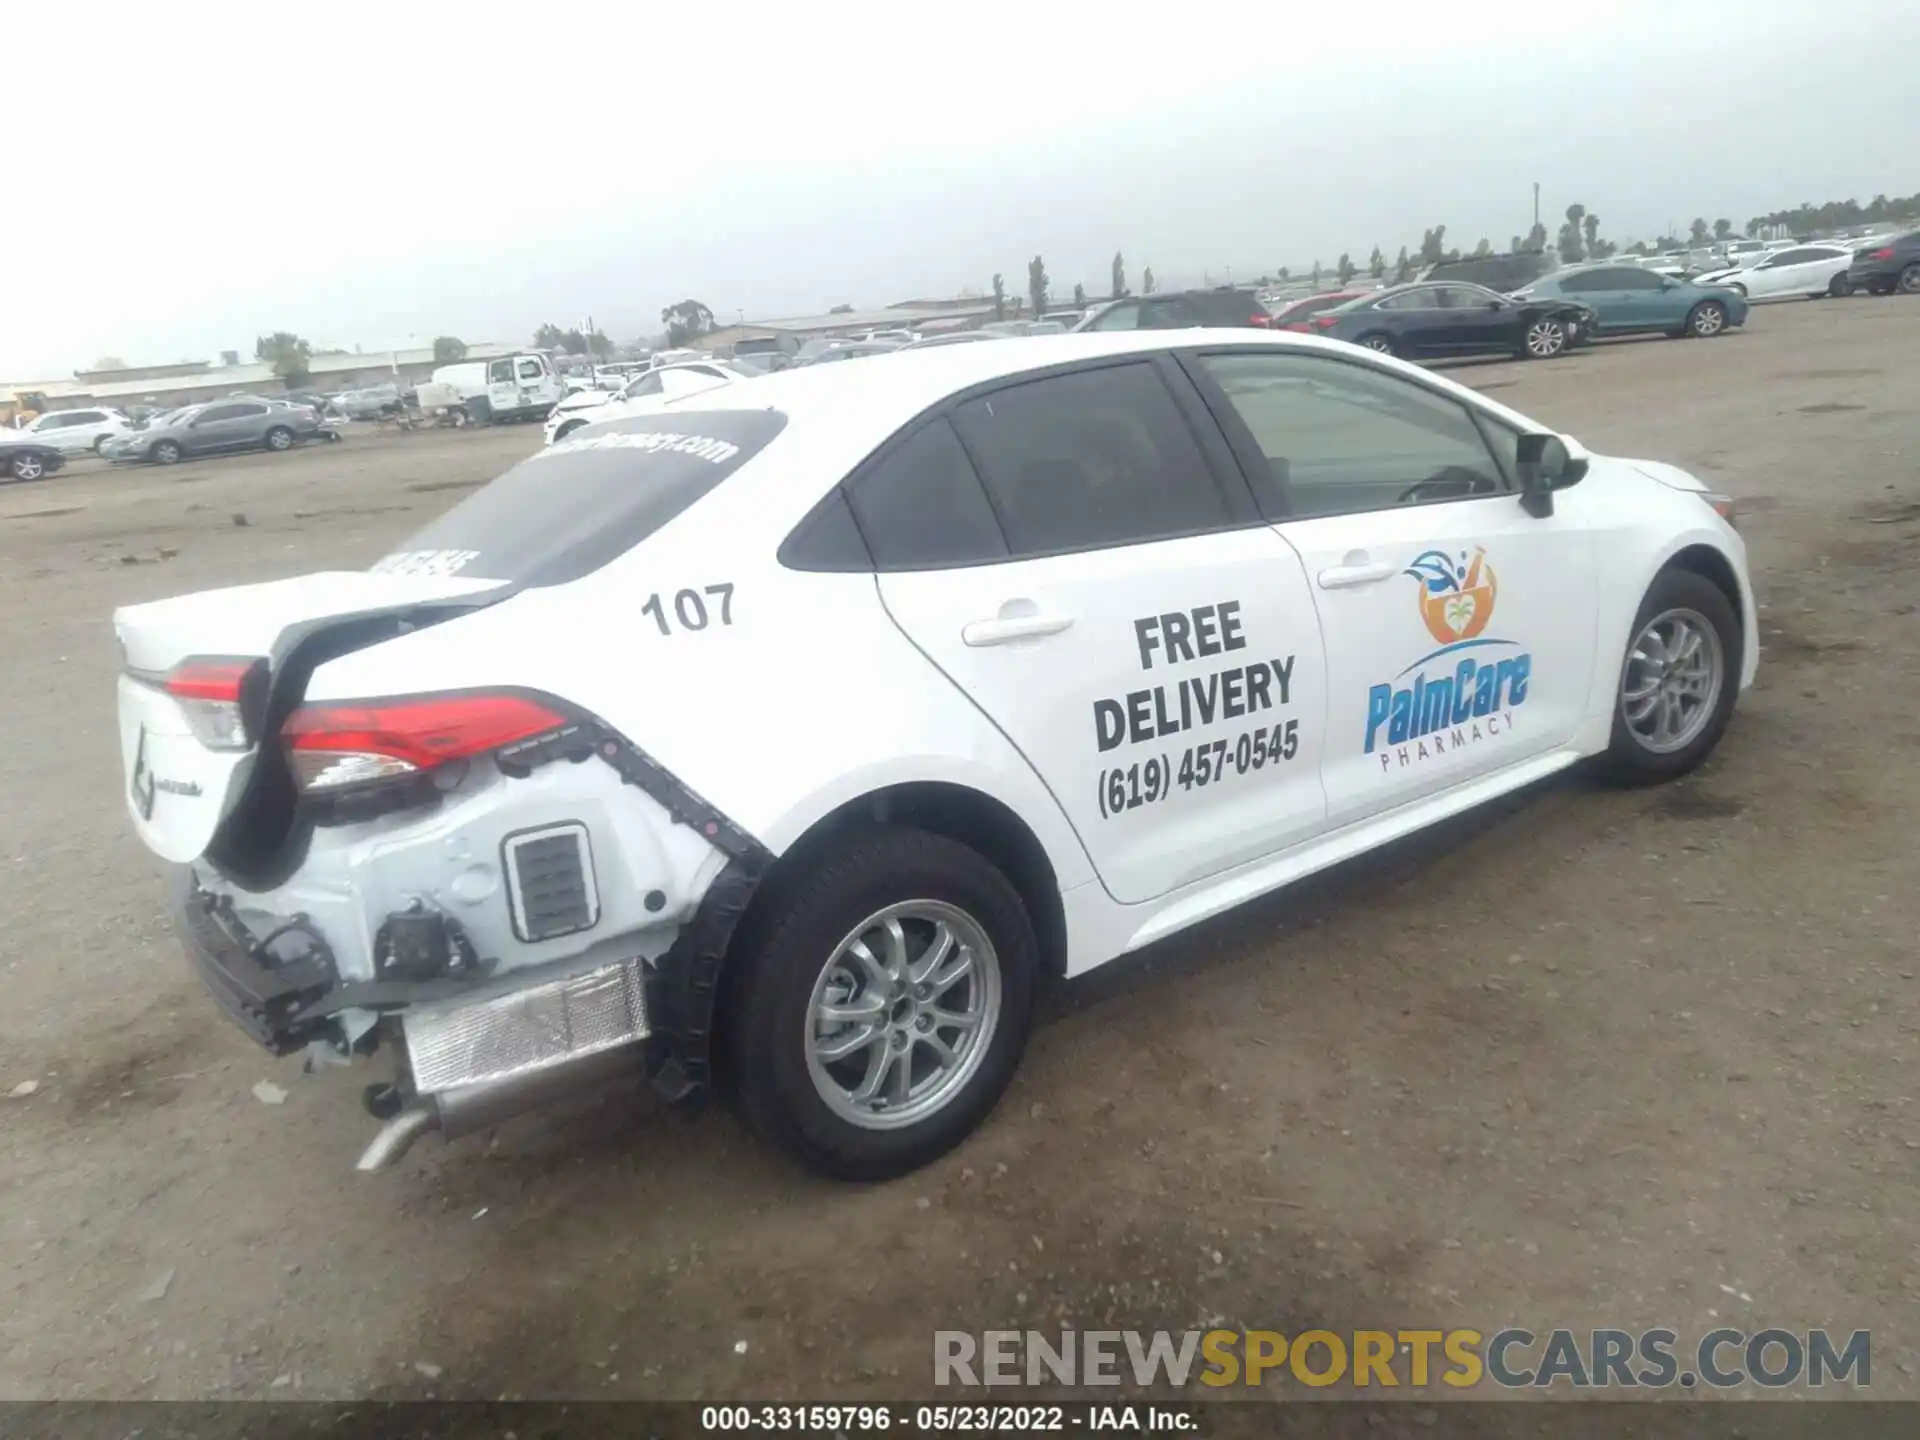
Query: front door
(1459, 629)
(1477, 322)
(1069, 555)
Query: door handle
(999, 630)
(1345, 577)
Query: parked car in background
(1046, 327)
(1881, 269)
(1799, 272)
(75, 432)
(954, 337)
(522, 386)
(1423, 321)
(853, 350)
(370, 404)
(668, 382)
(220, 426)
(1225, 307)
(24, 458)
(1501, 273)
(1296, 315)
(1632, 300)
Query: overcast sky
(371, 176)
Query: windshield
(574, 506)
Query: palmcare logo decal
(1454, 698)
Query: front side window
(1124, 316)
(1340, 438)
(1090, 459)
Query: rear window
(569, 509)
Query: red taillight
(208, 679)
(212, 694)
(1886, 254)
(334, 746)
(1324, 322)
(1264, 322)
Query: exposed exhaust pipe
(396, 1137)
(468, 1108)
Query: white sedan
(1802, 271)
(665, 382)
(798, 730)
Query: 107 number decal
(689, 609)
(1128, 787)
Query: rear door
(1459, 629)
(1077, 553)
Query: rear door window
(1090, 459)
(569, 509)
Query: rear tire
(1378, 343)
(1706, 320)
(27, 466)
(279, 438)
(824, 942)
(1673, 700)
(1910, 279)
(165, 453)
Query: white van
(521, 386)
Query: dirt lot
(1596, 1059)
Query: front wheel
(100, 444)
(26, 466)
(881, 1006)
(166, 453)
(1840, 288)
(279, 438)
(1678, 682)
(1546, 338)
(1708, 318)
(566, 430)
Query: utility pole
(1536, 204)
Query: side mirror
(1545, 465)
(1496, 304)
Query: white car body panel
(800, 692)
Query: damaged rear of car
(394, 816)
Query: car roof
(839, 415)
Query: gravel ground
(1589, 1059)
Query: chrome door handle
(1345, 577)
(998, 631)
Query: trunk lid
(179, 788)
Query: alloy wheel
(1545, 339)
(1672, 680)
(1379, 344)
(28, 467)
(1708, 320)
(903, 1014)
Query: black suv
(1888, 266)
(1180, 310)
(1502, 273)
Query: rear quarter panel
(797, 694)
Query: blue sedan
(1627, 300)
